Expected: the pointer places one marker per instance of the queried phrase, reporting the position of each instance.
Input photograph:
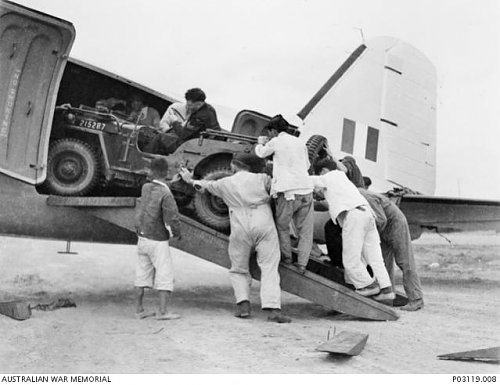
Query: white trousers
(254, 230)
(154, 266)
(361, 246)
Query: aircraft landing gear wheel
(73, 168)
(211, 210)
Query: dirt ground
(461, 285)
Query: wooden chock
(18, 310)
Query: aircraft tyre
(73, 168)
(211, 210)
(316, 149)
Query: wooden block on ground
(15, 309)
(486, 355)
(348, 343)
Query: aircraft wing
(449, 214)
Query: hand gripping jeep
(101, 153)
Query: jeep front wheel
(73, 168)
(210, 209)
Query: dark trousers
(163, 144)
(301, 211)
(333, 240)
(396, 247)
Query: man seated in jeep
(142, 114)
(112, 104)
(175, 115)
(200, 117)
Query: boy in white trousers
(157, 221)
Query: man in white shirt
(360, 239)
(252, 229)
(143, 114)
(291, 188)
(176, 115)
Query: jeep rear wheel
(316, 149)
(210, 209)
(73, 168)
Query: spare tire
(316, 149)
(210, 209)
(73, 168)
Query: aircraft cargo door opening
(94, 140)
(84, 85)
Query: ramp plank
(348, 343)
(336, 274)
(15, 309)
(333, 295)
(211, 245)
(55, 200)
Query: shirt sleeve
(155, 117)
(267, 182)
(379, 213)
(215, 187)
(165, 121)
(139, 209)
(318, 180)
(171, 214)
(308, 164)
(265, 150)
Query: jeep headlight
(70, 118)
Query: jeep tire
(73, 168)
(315, 149)
(210, 209)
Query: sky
(273, 55)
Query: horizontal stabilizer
(449, 214)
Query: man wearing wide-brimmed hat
(291, 188)
(246, 193)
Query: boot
(413, 305)
(386, 296)
(371, 289)
(278, 317)
(242, 309)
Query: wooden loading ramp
(211, 245)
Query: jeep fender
(211, 162)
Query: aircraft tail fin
(380, 107)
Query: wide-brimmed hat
(278, 123)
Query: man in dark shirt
(395, 243)
(157, 221)
(396, 246)
(201, 116)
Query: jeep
(92, 152)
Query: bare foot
(167, 316)
(144, 314)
